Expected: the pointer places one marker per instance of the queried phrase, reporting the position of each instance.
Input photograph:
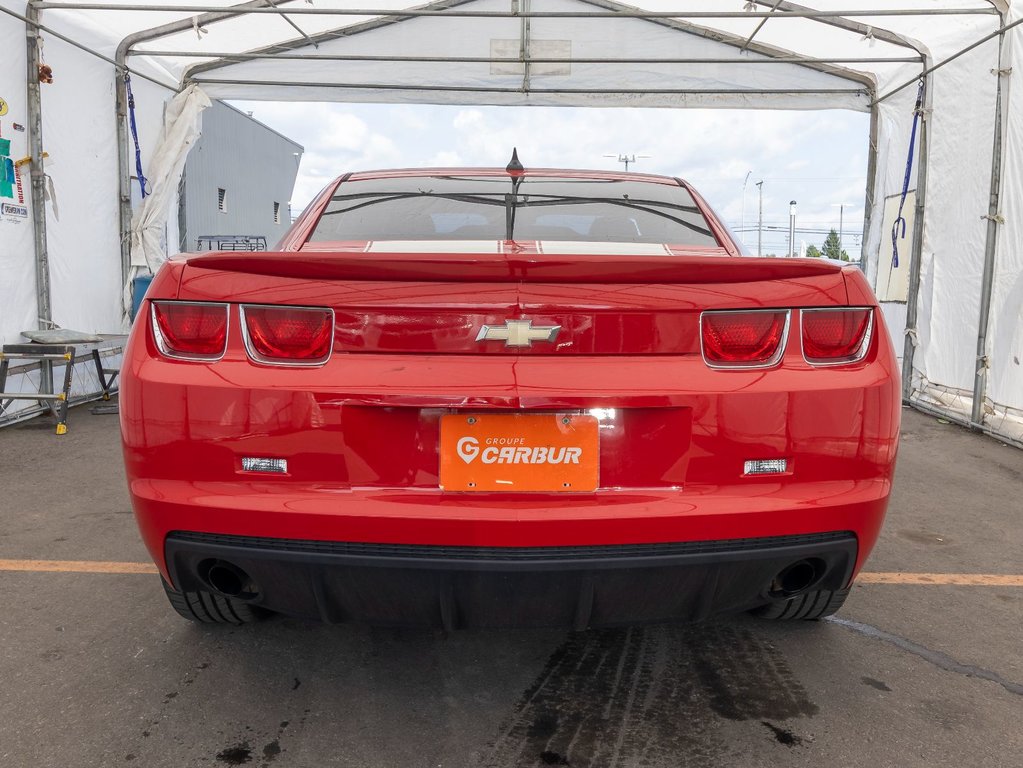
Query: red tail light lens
(288, 335)
(833, 336)
(744, 339)
(189, 330)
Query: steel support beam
(868, 200)
(37, 174)
(990, 245)
(625, 13)
(383, 58)
(916, 257)
(864, 91)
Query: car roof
(563, 173)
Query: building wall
(254, 165)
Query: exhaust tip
(227, 579)
(797, 578)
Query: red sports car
(492, 397)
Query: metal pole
(990, 246)
(124, 178)
(742, 219)
(841, 224)
(513, 14)
(38, 185)
(760, 220)
(916, 257)
(868, 202)
(792, 228)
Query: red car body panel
(361, 432)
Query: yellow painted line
(955, 579)
(923, 579)
(75, 566)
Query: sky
(818, 159)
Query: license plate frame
(549, 452)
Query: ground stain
(553, 758)
(272, 750)
(875, 684)
(783, 736)
(618, 697)
(236, 755)
(295, 685)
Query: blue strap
(135, 135)
(899, 227)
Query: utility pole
(792, 228)
(760, 220)
(742, 220)
(627, 159)
(841, 224)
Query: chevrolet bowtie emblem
(518, 333)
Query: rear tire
(209, 608)
(809, 607)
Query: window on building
(277, 213)
(222, 200)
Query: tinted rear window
(493, 208)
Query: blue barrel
(139, 286)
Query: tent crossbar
(84, 48)
(539, 91)
(928, 70)
(850, 25)
(531, 59)
(630, 14)
(293, 25)
(760, 26)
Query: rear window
(500, 208)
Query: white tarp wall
(80, 134)
(17, 256)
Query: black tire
(809, 607)
(210, 608)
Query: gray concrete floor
(96, 670)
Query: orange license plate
(552, 452)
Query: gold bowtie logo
(518, 333)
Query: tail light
(835, 336)
(188, 330)
(288, 335)
(744, 339)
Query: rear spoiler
(504, 268)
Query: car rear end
(393, 431)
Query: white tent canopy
(963, 259)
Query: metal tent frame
(691, 22)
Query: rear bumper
(455, 587)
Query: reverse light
(188, 330)
(744, 339)
(765, 467)
(288, 335)
(836, 336)
(258, 464)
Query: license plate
(550, 452)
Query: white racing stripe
(557, 247)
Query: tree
(833, 248)
(813, 252)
